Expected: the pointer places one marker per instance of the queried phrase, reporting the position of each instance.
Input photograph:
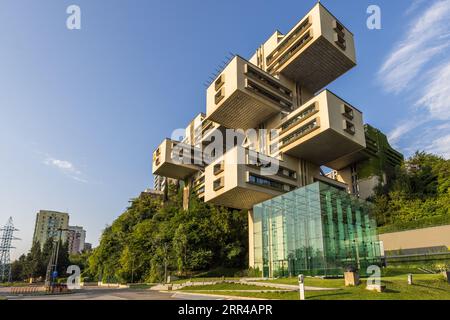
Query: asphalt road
(118, 294)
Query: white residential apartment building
(76, 237)
(49, 225)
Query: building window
(218, 168)
(289, 40)
(285, 172)
(268, 80)
(219, 95)
(274, 148)
(201, 190)
(347, 111)
(307, 112)
(218, 184)
(259, 90)
(349, 127)
(219, 82)
(266, 182)
(339, 28)
(297, 46)
(340, 41)
(302, 131)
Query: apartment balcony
(315, 52)
(243, 96)
(325, 131)
(198, 184)
(176, 160)
(237, 180)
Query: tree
(420, 190)
(152, 239)
(33, 263)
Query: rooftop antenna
(218, 70)
(7, 236)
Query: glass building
(314, 230)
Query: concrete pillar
(186, 194)
(251, 243)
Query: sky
(81, 111)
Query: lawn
(227, 286)
(425, 287)
(14, 284)
(200, 279)
(141, 286)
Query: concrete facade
(76, 237)
(281, 114)
(47, 225)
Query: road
(118, 294)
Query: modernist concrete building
(76, 237)
(48, 224)
(277, 102)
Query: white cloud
(403, 128)
(436, 94)
(415, 5)
(440, 146)
(421, 44)
(424, 45)
(433, 138)
(65, 167)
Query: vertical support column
(186, 195)
(251, 241)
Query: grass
(227, 286)
(140, 286)
(309, 281)
(203, 279)
(425, 287)
(416, 224)
(14, 284)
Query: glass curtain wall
(314, 230)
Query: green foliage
(418, 195)
(152, 239)
(34, 264)
(415, 224)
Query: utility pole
(6, 239)
(53, 262)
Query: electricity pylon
(7, 236)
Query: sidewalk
(284, 287)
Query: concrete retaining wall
(419, 238)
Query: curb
(216, 295)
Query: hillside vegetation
(417, 196)
(152, 239)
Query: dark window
(218, 168)
(218, 184)
(261, 181)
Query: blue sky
(81, 111)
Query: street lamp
(53, 262)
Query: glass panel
(314, 230)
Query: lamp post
(301, 284)
(132, 270)
(53, 262)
